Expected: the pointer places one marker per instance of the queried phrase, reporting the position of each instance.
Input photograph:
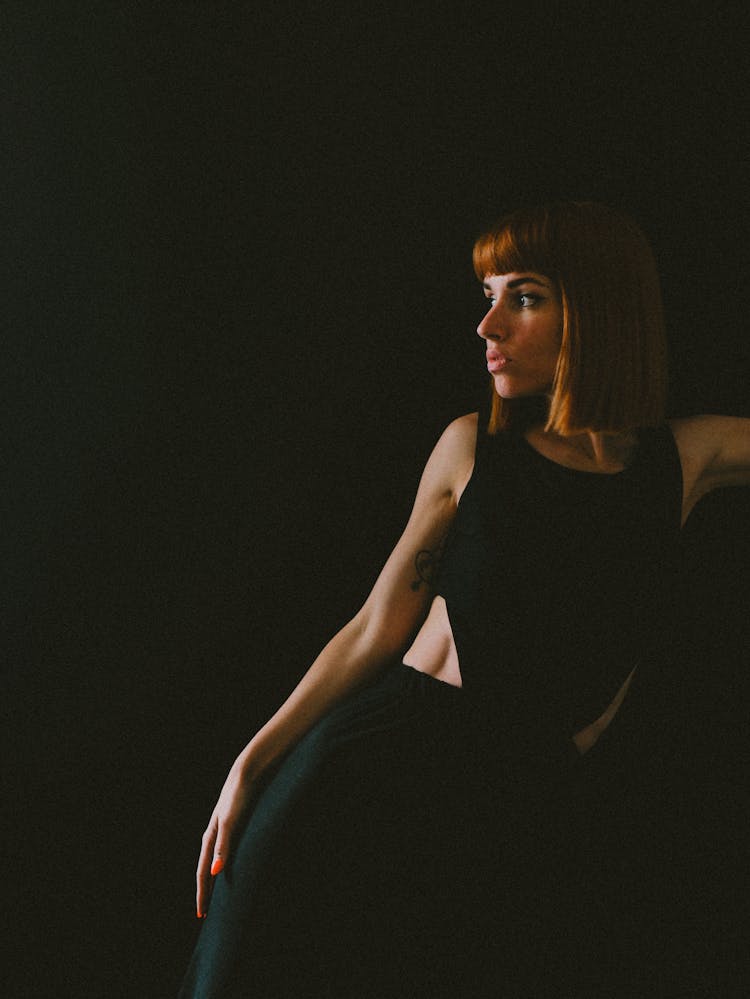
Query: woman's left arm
(714, 451)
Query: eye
(491, 300)
(527, 301)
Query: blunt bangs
(521, 241)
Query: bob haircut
(611, 374)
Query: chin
(507, 389)
(516, 391)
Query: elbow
(383, 636)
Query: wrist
(256, 758)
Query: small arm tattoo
(426, 565)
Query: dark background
(240, 312)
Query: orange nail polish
(198, 915)
(218, 866)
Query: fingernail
(199, 914)
(218, 866)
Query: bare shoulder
(714, 451)
(453, 457)
(461, 434)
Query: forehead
(516, 279)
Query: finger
(221, 847)
(203, 873)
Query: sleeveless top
(555, 580)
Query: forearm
(347, 661)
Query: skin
(522, 330)
(523, 325)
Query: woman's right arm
(380, 630)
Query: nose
(491, 327)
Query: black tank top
(555, 579)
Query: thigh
(330, 863)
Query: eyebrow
(519, 281)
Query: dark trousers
(389, 856)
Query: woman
(418, 814)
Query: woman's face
(523, 332)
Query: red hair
(612, 370)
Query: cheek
(548, 350)
(555, 340)
(547, 360)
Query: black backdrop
(241, 311)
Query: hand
(234, 801)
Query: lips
(496, 361)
